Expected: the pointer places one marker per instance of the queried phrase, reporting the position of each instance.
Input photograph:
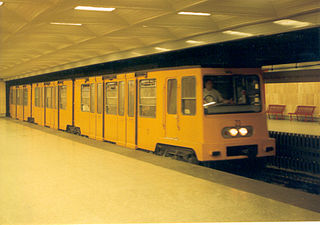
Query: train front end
(234, 122)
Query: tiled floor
(299, 127)
(50, 177)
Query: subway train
(194, 114)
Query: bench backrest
(276, 108)
(302, 109)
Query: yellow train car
(88, 107)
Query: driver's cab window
(231, 94)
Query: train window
(231, 94)
(18, 96)
(41, 96)
(172, 96)
(92, 98)
(36, 97)
(63, 97)
(100, 98)
(56, 97)
(85, 97)
(111, 98)
(25, 96)
(49, 97)
(188, 95)
(121, 99)
(131, 97)
(148, 99)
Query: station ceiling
(38, 37)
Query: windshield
(231, 94)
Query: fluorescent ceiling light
(194, 13)
(195, 42)
(91, 8)
(237, 33)
(68, 24)
(162, 49)
(293, 23)
(1, 3)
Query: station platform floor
(298, 127)
(48, 176)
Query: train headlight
(233, 132)
(243, 131)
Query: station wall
(2, 99)
(293, 94)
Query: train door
(99, 114)
(20, 103)
(92, 113)
(49, 111)
(131, 141)
(111, 110)
(13, 96)
(55, 106)
(172, 125)
(26, 102)
(122, 121)
(65, 104)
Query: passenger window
(111, 98)
(63, 97)
(100, 98)
(25, 96)
(148, 99)
(48, 97)
(131, 97)
(188, 96)
(85, 97)
(92, 98)
(121, 98)
(172, 96)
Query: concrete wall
(293, 94)
(2, 98)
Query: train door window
(18, 97)
(148, 99)
(85, 97)
(111, 98)
(172, 96)
(41, 96)
(36, 97)
(56, 98)
(131, 99)
(53, 97)
(100, 98)
(63, 97)
(25, 96)
(92, 98)
(188, 95)
(121, 99)
(49, 97)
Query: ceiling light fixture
(293, 23)
(237, 33)
(195, 42)
(1, 3)
(162, 49)
(91, 8)
(194, 13)
(67, 24)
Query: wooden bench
(302, 110)
(276, 110)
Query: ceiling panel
(30, 44)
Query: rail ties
(297, 152)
